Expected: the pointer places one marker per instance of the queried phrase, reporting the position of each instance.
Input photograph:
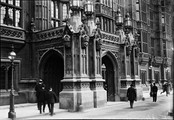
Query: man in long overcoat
(38, 89)
(132, 95)
(154, 92)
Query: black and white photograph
(86, 59)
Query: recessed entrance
(52, 70)
(108, 75)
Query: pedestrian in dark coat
(42, 99)
(51, 99)
(38, 89)
(132, 95)
(165, 88)
(154, 92)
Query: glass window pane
(57, 24)
(57, 11)
(10, 2)
(10, 11)
(10, 19)
(17, 2)
(64, 11)
(52, 23)
(52, 9)
(2, 14)
(3, 0)
(17, 17)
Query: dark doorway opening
(52, 71)
(108, 75)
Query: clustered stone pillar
(82, 83)
(76, 83)
(99, 94)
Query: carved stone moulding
(12, 33)
(84, 41)
(67, 41)
(49, 34)
(109, 37)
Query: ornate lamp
(119, 19)
(11, 113)
(75, 5)
(128, 23)
(89, 8)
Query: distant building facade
(86, 62)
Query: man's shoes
(52, 114)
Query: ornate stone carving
(106, 37)
(67, 41)
(84, 41)
(50, 34)
(13, 33)
(98, 44)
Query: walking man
(165, 88)
(51, 99)
(132, 95)
(154, 92)
(38, 89)
(41, 99)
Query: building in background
(88, 51)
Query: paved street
(113, 110)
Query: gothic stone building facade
(85, 61)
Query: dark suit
(132, 95)
(154, 93)
(38, 89)
(41, 100)
(51, 99)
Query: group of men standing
(45, 96)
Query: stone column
(99, 94)
(76, 94)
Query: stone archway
(110, 74)
(51, 70)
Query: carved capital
(84, 41)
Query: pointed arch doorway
(52, 70)
(110, 74)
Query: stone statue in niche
(67, 41)
(84, 41)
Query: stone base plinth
(76, 100)
(100, 98)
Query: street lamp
(12, 113)
(126, 25)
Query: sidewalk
(29, 110)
